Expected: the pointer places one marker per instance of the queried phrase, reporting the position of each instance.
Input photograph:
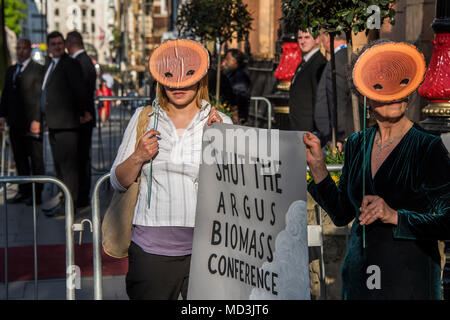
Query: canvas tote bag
(118, 220)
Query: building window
(93, 28)
(93, 13)
(57, 26)
(84, 28)
(56, 12)
(83, 12)
(148, 7)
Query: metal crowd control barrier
(97, 249)
(120, 113)
(96, 237)
(336, 168)
(70, 255)
(6, 149)
(319, 229)
(269, 110)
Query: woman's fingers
(151, 133)
(214, 116)
(375, 208)
(370, 218)
(369, 203)
(312, 138)
(367, 200)
(149, 144)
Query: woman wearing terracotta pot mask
(161, 239)
(395, 184)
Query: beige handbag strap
(142, 124)
(141, 127)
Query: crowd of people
(58, 96)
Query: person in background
(234, 64)
(132, 92)
(162, 234)
(324, 107)
(226, 91)
(302, 93)
(104, 110)
(19, 107)
(75, 47)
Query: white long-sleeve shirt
(175, 170)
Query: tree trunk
(219, 58)
(4, 48)
(334, 122)
(355, 103)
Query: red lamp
(290, 59)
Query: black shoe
(29, 201)
(18, 198)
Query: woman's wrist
(394, 218)
(319, 172)
(137, 159)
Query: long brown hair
(202, 93)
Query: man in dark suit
(62, 105)
(324, 102)
(75, 47)
(302, 94)
(20, 107)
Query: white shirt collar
(76, 54)
(308, 56)
(24, 64)
(55, 61)
(340, 47)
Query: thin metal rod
(6, 240)
(110, 143)
(3, 152)
(96, 237)
(331, 167)
(120, 98)
(322, 263)
(269, 110)
(35, 244)
(256, 113)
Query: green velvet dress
(414, 180)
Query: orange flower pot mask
(179, 63)
(389, 71)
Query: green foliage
(116, 38)
(333, 15)
(212, 19)
(15, 14)
(221, 106)
(331, 157)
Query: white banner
(250, 239)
